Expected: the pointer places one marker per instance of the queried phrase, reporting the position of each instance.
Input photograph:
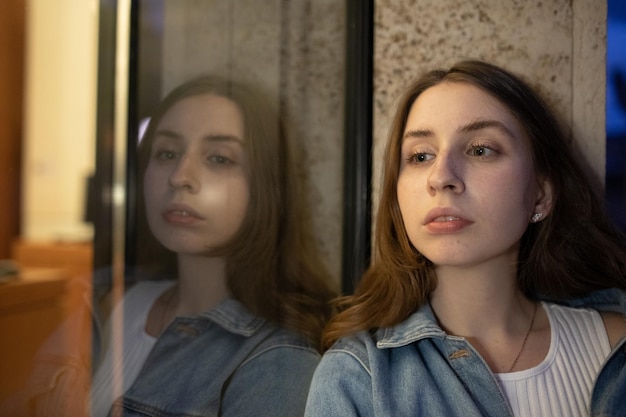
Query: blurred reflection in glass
(230, 294)
(230, 318)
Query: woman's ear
(543, 203)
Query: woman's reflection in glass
(234, 328)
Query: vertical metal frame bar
(358, 142)
(118, 200)
(120, 136)
(104, 144)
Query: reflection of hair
(572, 252)
(272, 265)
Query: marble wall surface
(558, 45)
(295, 51)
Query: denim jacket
(416, 369)
(225, 362)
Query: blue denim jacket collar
(420, 325)
(234, 317)
(423, 324)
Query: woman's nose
(184, 174)
(446, 174)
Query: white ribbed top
(137, 344)
(561, 384)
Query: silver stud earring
(536, 217)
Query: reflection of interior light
(143, 125)
(118, 195)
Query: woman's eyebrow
(223, 138)
(469, 127)
(218, 137)
(168, 134)
(417, 133)
(486, 124)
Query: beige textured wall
(295, 51)
(59, 118)
(558, 45)
(313, 97)
(238, 38)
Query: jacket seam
(278, 346)
(356, 357)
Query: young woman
(236, 326)
(498, 284)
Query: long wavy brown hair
(273, 265)
(572, 252)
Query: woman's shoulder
(145, 291)
(614, 322)
(263, 337)
(286, 341)
(284, 347)
(360, 341)
(615, 325)
(356, 348)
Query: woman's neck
(486, 307)
(466, 297)
(202, 284)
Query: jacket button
(461, 353)
(185, 328)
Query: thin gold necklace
(532, 322)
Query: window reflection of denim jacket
(415, 369)
(224, 362)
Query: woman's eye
(165, 155)
(481, 151)
(420, 157)
(219, 159)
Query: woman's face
(466, 186)
(196, 182)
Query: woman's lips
(445, 220)
(447, 224)
(181, 215)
